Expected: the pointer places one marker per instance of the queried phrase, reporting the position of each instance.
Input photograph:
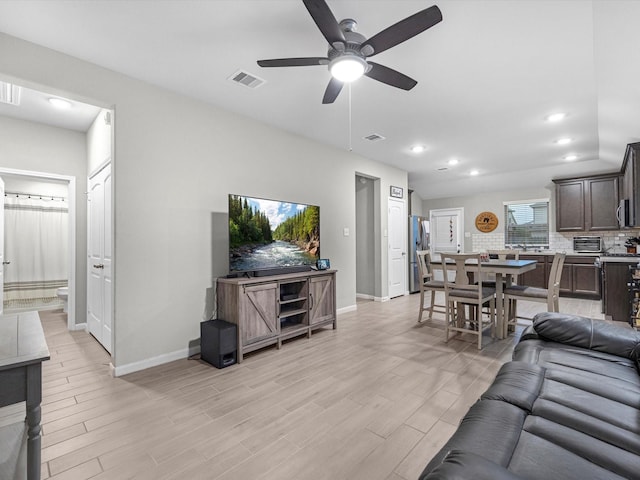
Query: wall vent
(246, 79)
(374, 137)
(10, 93)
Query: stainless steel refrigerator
(418, 240)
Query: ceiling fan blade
(390, 76)
(404, 30)
(332, 91)
(294, 62)
(325, 20)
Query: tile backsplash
(613, 240)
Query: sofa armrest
(466, 465)
(588, 333)
(529, 333)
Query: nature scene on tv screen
(268, 233)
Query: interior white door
(100, 256)
(397, 234)
(2, 261)
(446, 231)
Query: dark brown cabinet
(579, 275)
(587, 203)
(540, 276)
(616, 291)
(631, 182)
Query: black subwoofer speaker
(218, 343)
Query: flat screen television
(272, 235)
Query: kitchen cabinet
(616, 291)
(579, 277)
(587, 203)
(539, 277)
(631, 182)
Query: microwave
(587, 244)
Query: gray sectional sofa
(566, 407)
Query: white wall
(41, 148)
(99, 141)
(176, 160)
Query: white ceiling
(35, 106)
(488, 74)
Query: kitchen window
(526, 224)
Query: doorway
(24, 180)
(446, 234)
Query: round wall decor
(486, 222)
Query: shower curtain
(36, 236)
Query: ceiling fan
(348, 53)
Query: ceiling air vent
(374, 137)
(10, 93)
(246, 79)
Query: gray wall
(41, 148)
(491, 202)
(175, 162)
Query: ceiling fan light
(347, 68)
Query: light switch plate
(345, 231)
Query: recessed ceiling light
(453, 161)
(474, 172)
(571, 157)
(556, 117)
(60, 103)
(563, 141)
(417, 148)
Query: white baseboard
(350, 308)
(80, 326)
(154, 361)
(381, 299)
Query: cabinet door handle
(311, 297)
(100, 265)
(6, 263)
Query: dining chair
(428, 284)
(549, 295)
(504, 254)
(459, 291)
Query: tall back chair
(428, 283)
(504, 254)
(549, 295)
(459, 291)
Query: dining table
(505, 271)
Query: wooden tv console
(270, 309)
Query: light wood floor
(374, 399)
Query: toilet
(63, 294)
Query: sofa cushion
(459, 465)
(490, 429)
(517, 383)
(588, 333)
